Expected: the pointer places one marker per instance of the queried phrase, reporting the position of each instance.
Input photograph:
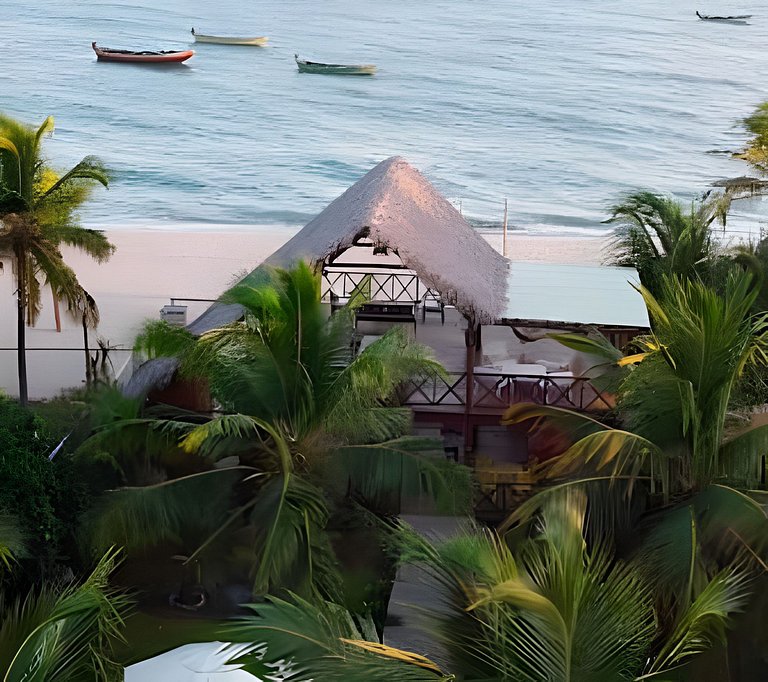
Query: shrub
(44, 496)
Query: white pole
(504, 238)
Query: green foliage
(671, 444)
(756, 152)
(660, 236)
(45, 497)
(307, 641)
(64, 631)
(12, 541)
(311, 426)
(550, 608)
(160, 339)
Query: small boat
(107, 54)
(338, 69)
(734, 18)
(225, 40)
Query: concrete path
(414, 591)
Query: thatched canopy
(153, 375)
(397, 207)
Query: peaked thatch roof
(394, 205)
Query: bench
(387, 312)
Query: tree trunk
(88, 377)
(21, 329)
(56, 315)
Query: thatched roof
(395, 206)
(152, 375)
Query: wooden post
(469, 340)
(504, 238)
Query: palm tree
(38, 215)
(553, 608)
(304, 422)
(676, 447)
(658, 235)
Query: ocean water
(560, 106)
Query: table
(387, 311)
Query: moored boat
(107, 54)
(732, 19)
(337, 69)
(261, 41)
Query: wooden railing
(376, 286)
(502, 390)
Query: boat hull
(336, 69)
(128, 57)
(223, 40)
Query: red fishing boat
(146, 57)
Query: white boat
(230, 40)
(337, 69)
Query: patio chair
(432, 303)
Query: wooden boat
(734, 18)
(337, 69)
(147, 57)
(225, 40)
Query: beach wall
(149, 267)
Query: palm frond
(159, 339)
(12, 540)
(89, 169)
(409, 467)
(91, 242)
(65, 632)
(184, 510)
(292, 549)
(319, 641)
(704, 622)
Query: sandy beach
(151, 266)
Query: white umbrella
(190, 663)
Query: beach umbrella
(205, 662)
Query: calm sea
(557, 105)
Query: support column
(470, 340)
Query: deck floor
(499, 343)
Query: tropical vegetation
(551, 607)
(678, 480)
(64, 630)
(38, 214)
(304, 429)
(660, 236)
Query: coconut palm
(305, 423)
(553, 608)
(37, 215)
(659, 235)
(676, 450)
(64, 631)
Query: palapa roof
(396, 206)
(153, 375)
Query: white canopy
(203, 662)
